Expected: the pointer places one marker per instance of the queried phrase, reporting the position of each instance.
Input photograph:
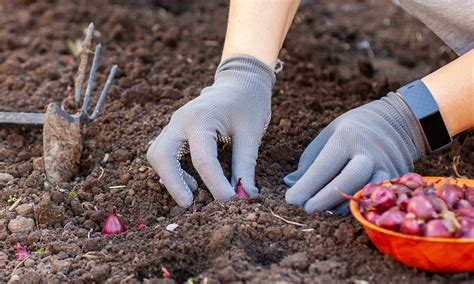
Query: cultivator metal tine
(90, 84)
(83, 116)
(81, 70)
(108, 83)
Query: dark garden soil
(167, 51)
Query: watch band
(424, 107)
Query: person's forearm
(452, 86)
(258, 28)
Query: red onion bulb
(437, 229)
(113, 225)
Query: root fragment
(286, 220)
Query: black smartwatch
(423, 106)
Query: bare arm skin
(452, 86)
(258, 28)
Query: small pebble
(171, 227)
(6, 178)
(25, 210)
(21, 225)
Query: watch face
(435, 131)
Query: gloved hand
(371, 143)
(236, 107)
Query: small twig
(440, 159)
(211, 43)
(372, 274)
(117, 186)
(90, 254)
(455, 166)
(36, 217)
(307, 230)
(20, 263)
(371, 54)
(74, 187)
(286, 220)
(194, 207)
(101, 173)
(129, 277)
(14, 205)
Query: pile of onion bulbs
(412, 206)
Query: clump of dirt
(167, 52)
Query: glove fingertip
(316, 204)
(293, 198)
(290, 179)
(251, 190)
(223, 195)
(184, 202)
(311, 207)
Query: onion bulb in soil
(239, 190)
(21, 252)
(113, 225)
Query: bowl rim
(356, 213)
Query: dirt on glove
(338, 55)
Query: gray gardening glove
(236, 107)
(371, 143)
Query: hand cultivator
(62, 141)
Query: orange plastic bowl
(430, 254)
